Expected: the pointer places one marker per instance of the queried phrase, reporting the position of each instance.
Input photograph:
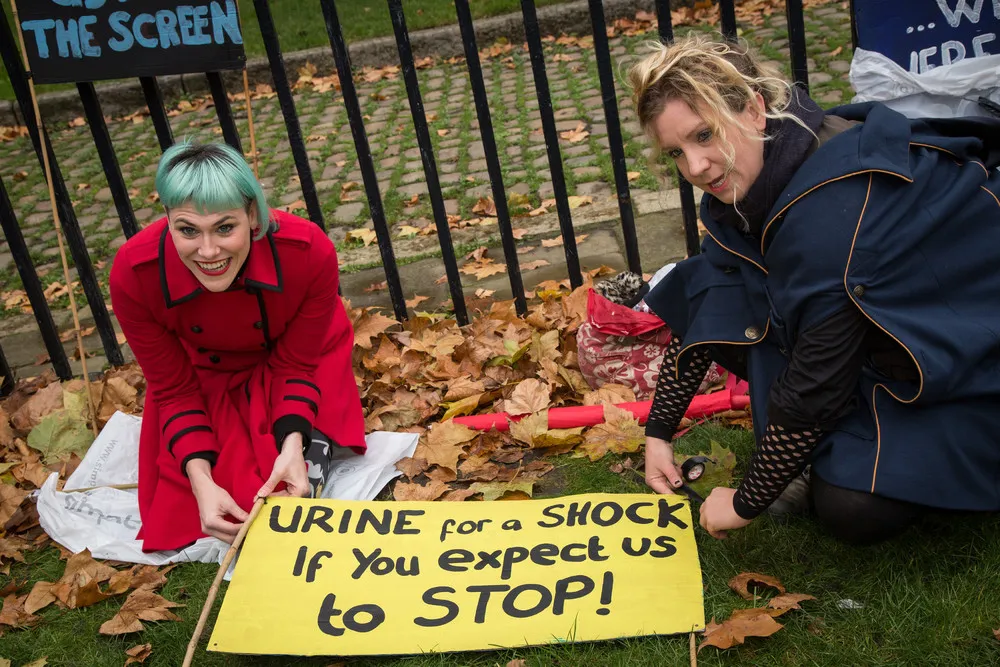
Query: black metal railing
(230, 132)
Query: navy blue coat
(901, 218)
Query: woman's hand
(662, 474)
(718, 515)
(290, 468)
(214, 503)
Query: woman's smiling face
(212, 245)
(700, 155)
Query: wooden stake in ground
(693, 651)
(253, 137)
(214, 590)
(55, 218)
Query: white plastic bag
(106, 520)
(943, 92)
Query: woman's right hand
(662, 474)
(214, 503)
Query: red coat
(222, 368)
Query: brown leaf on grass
(10, 500)
(83, 564)
(485, 207)
(366, 236)
(996, 634)
(836, 52)
(149, 577)
(41, 662)
(620, 433)
(76, 595)
(529, 396)
(138, 654)
(411, 467)
(734, 631)
(788, 601)
(517, 663)
(141, 605)
(13, 613)
(742, 583)
(610, 394)
(430, 491)
(41, 596)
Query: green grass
(300, 24)
(930, 598)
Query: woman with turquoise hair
(232, 311)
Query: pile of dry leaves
(416, 377)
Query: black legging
(860, 518)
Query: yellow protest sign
(324, 577)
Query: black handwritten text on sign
(90, 40)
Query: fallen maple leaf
(576, 201)
(610, 394)
(369, 325)
(485, 206)
(529, 396)
(527, 429)
(411, 467)
(416, 300)
(430, 491)
(457, 495)
(538, 263)
(459, 408)
(141, 605)
(11, 548)
(788, 601)
(576, 135)
(10, 500)
(13, 613)
(620, 433)
(366, 236)
(138, 654)
(734, 631)
(443, 444)
(741, 583)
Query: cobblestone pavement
(573, 77)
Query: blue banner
(922, 34)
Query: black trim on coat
(209, 456)
(182, 414)
(311, 403)
(184, 431)
(280, 286)
(305, 382)
(164, 287)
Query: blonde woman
(850, 274)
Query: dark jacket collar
(261, 269)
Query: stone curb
(122, 98)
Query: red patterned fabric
(621, 346)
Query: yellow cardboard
(323, 577)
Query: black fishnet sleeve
(673, 395)
(781, 456)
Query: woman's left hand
(290, 468)
(718, 515)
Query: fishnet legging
(780, 457)
(673, 395)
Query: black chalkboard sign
(90, 40)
